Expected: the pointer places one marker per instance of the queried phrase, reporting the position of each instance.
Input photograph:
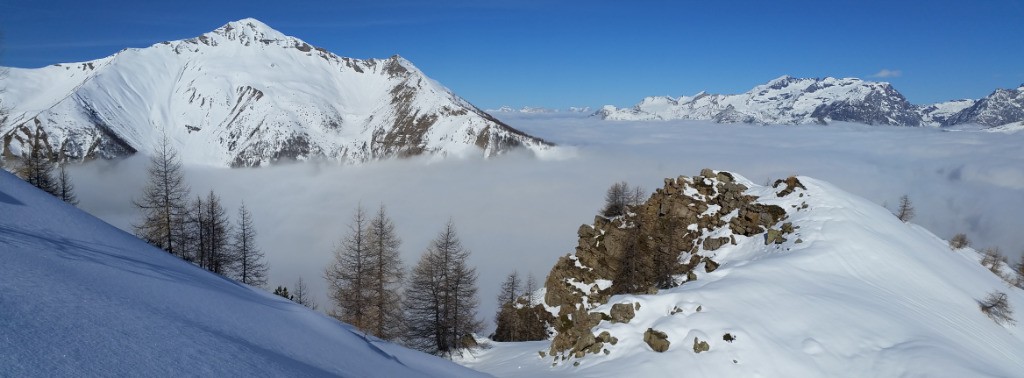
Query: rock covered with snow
(834, 285)
(1002, 107)
(247, 95)
(785, 100)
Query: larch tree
(302, 295)
(37, 168)
(349, 275)
(387, 321)
(65, 189)
(441, 297)
(250, 268)
(216, 229)
(507, 319)
(616, 199)
(164, 202)
(905, 212)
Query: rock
(729, 337)
(657, 340)
(604, 337)
(468, 341)
(712, 244)
(622, 312)
(700, 346)
(787, 228)
(792, 183)
(710, 265)
(773, 237)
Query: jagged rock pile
(657, 245)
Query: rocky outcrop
(669, 240)
(999, 108)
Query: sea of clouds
(518, 212)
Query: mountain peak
(249, 29)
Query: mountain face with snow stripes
(246, 95)
(789, 100)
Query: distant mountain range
(540, 110)
(789, 100)
(246, 95)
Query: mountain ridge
(790, 100)
(245, 94)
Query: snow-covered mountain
(246, 95)
(798, 279)
(539, 110)
(785, 100)
(788, 100)
(79, 297)
(1002, 107)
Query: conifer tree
(386, 274)
(65, 189)
(250, 268)
(164, 201)
(441, 298)
(507, 317)
(302, 295)
(216, 229)
(349, 274)
(37, 168)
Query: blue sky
(569, 53)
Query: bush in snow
(959, 241)
(997, 307)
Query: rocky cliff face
(1004, 106)
(247, 95)
(660, 244)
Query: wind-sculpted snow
(247, 95)
(79, 297)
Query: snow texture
(79, 297)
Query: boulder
(622, 312)
(657, 340)
(700, 346)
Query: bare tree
(1018, 271)
(616, 199)
(349, 275)
(993, 259)
(250, 268)
(37, 167)
(214, 233)
(387, 321)
(508, 327)
(441, 298)
(302, 295)
(65, 189)
(997, 307)
(164, 201)
(637, 196)
(530, 289)
(905, 212)
(959, 241)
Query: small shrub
(905, 212)
(997, 308)
(959, 241)
(729, 337)
(993, 259)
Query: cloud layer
(886, 73)
(520, 213)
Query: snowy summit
(246, 95)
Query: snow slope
(79, 297)
(244, 95)
(860, 295)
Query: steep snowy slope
(785, 100)
(246, 95)
(848, 290)
(80, 298)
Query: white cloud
(887, 73)
(517, 212)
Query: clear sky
(569, 53)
